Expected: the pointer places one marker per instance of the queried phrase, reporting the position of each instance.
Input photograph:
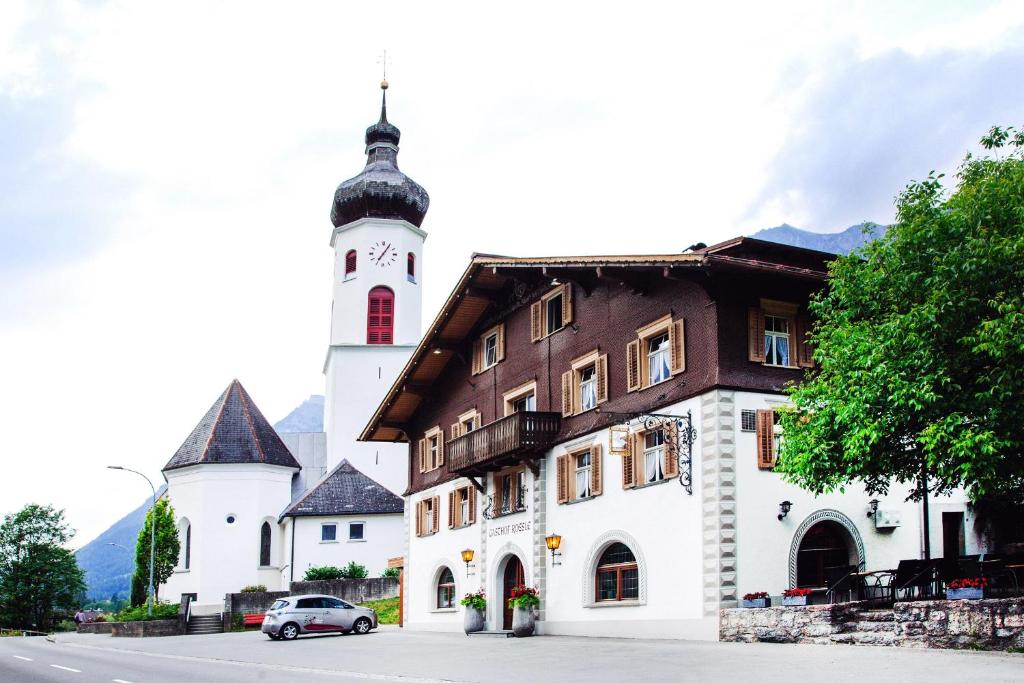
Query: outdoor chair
(915, 580)
(840, 583)
(875, 587)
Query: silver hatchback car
(296, 614)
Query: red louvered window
(380, 316)
(411, 267)
(350, 262)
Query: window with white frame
(583, 474)
(658, 352)
(328, 533)
(355, 531)
(776, 340)
(588, 388)
(446, 589)
(490, 350)
(654, 455)
(552, 313)
(463, 497)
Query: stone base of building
(969, 624)
(146, 629)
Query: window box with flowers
(755, 600)
(523, 601)
(476, 605)
(966, 589)
(795, 597)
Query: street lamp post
(152, 535)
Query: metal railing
(514, 434)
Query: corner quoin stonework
(718, 499)
(540, 526)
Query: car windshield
(279, 604)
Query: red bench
(254, 619)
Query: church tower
(376, 311)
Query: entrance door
(823, 547)
(952, 535)
(513, 577)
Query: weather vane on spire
(383, 61)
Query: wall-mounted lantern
(554, 542)
(784, 508)
(872, 507)
(467, 557)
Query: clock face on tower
(383, 254)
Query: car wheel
(289, 632)
(362, 626)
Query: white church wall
(382, 540)
(310, 449)
(225, 556)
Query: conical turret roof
(233, 431)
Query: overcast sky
(167, 172)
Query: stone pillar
(540, 565)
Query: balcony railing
(502, 442)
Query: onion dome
(381, 190)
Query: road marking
(120, 680)
(23, 658)
(66, 668)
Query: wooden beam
(637, 283)
(533, 465)
(584, 279)
(478, 485)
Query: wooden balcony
(507, 441)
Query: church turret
(376, 314)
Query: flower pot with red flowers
(967, 589)
(476, 605)
(523, 602)
(795, 597)
(758, 599)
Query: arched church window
(380, 316)
(185, 539)
(411, 267)
(617, 576)
(350, 262)
(445, 589)
(265, 545)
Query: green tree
(920, 345)
(167, 548)
(39, 578)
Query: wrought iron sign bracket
(681, 447)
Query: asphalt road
(414, 657)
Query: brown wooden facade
(707, 299)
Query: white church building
(256, 507)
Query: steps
(868, 627)
(201, 624)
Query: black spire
(381, 190)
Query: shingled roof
(233, 431)
(345, 491)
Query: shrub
(65, 626)
(161, 610)
(323, 574)
(354, 571)
(258, 588)
(391, 573)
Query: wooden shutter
(496, 510)
(601, 366)
(456, 430)
(595, 469)
(671, 464)
(440, 447)
(566, 303)
(628, 471)
(419, 518)
(500, 344)
(423, 455)
(478, 356)
(536, 321)
(677, 347)
(562, 477)
(765, 428)
(755, 334)
(452, 504)
(804, 352)
(436, 510)
(568, 390)
(471, 492)
(633, 365)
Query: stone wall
(145, 629)
(95, 627)
(351, 590)
(974, 624)
(971, 624)
(811, 624)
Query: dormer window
(350, 264)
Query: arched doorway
(826, 546)
(512, 576)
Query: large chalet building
(602, 428)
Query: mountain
(843, 242)
(308, 417)
(109, 568)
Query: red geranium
(978, 582)
(760, 595)
(524, 596)
(796, 592)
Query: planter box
(965, 593)
(795, 601)
(759, 602)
